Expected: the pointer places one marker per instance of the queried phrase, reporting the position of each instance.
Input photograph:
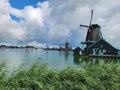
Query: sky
(52, 22)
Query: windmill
(93, 33)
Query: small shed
(101, 47)
(77, 51)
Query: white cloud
(30, 27)
(54, 21)
(70, 13)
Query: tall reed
(39, 77)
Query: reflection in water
(81, 61)
(93, 61)
(66, 56)
(16, 58)
(77, 60)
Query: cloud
(9, 29)
(30, 27)
(53, 22)
(69, 14)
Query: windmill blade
(84, 26)
(91, 17)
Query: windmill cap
(95, 26)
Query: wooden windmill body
(93, 33)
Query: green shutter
(101, 52)
(118, 53)
(95, 51)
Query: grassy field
(39, 77)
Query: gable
(101, 44)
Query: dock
(105, 56)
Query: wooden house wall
(102, 46)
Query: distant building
(48, 47)
(29, 47)
(67, 46)
(3, 46)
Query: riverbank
(39, 77)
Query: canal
(16, 58)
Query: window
(101, 46)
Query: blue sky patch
(20, 4)
(13, 17)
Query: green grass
(39, 77)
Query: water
(15, 58)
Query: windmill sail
(93, 33)
(91, 17)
